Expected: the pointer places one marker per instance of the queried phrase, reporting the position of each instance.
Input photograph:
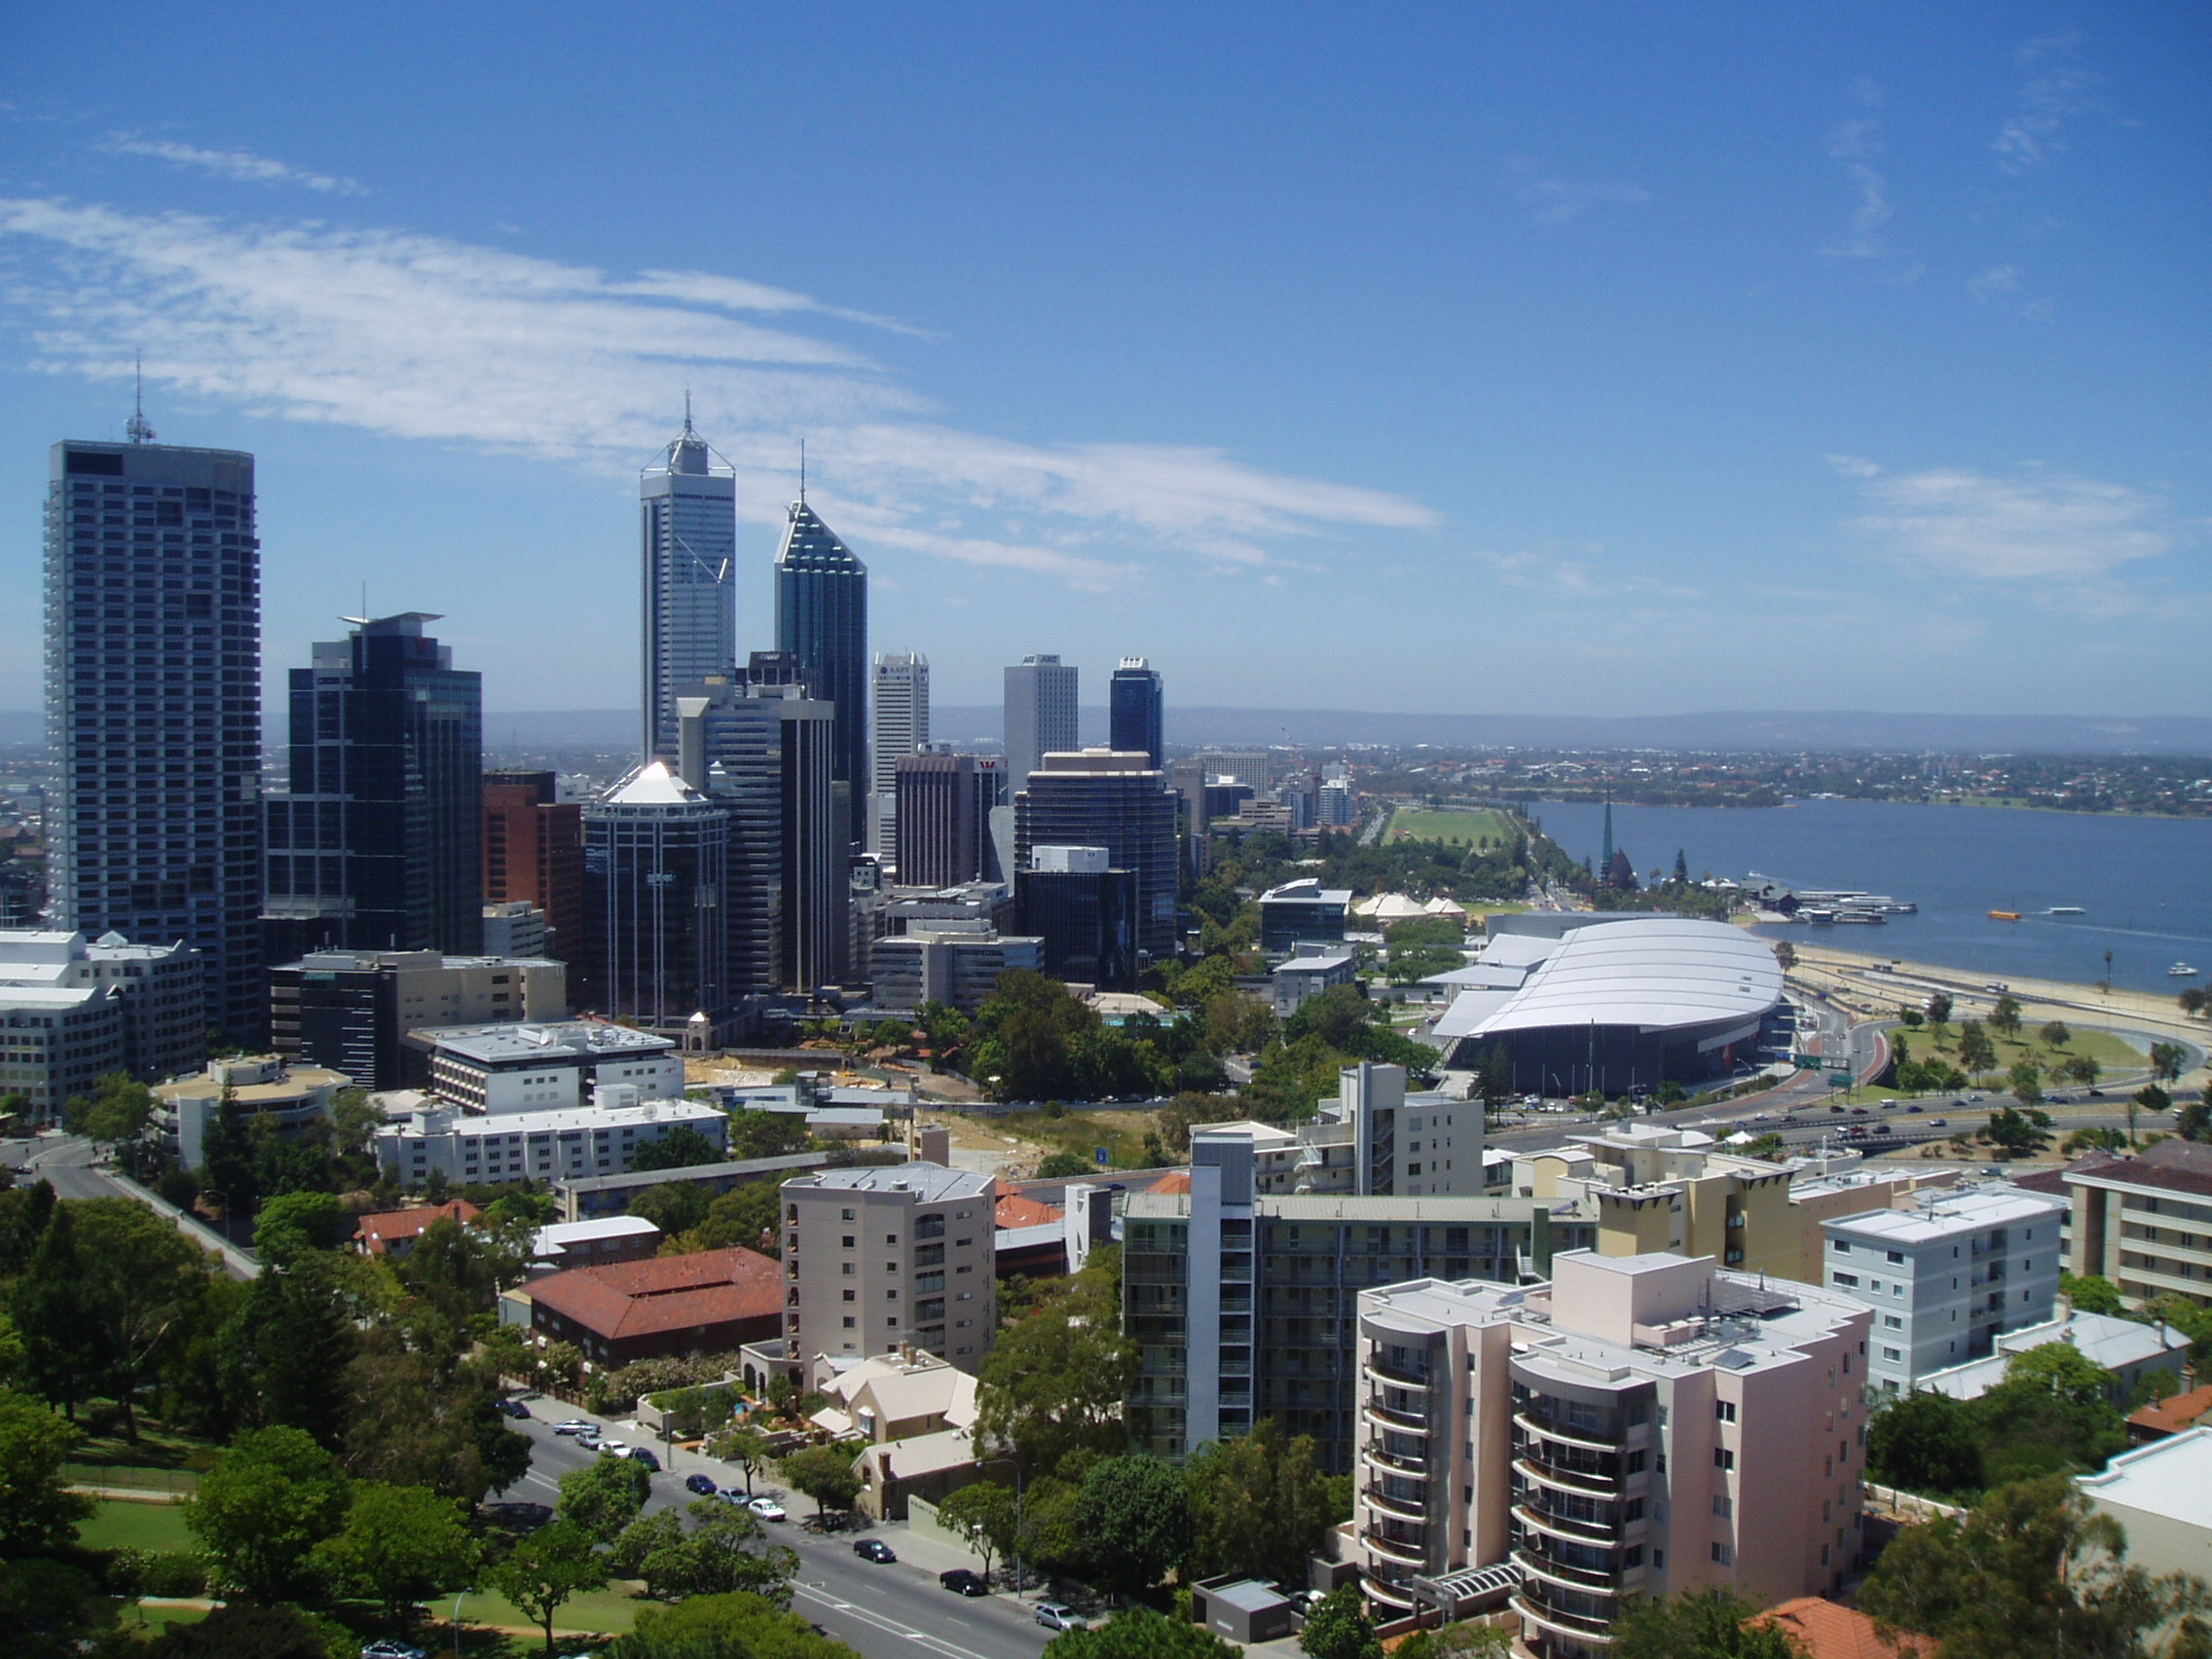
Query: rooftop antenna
(136, 427)
(802, 472)
(687, 410)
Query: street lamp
(1016, 1462)
(457, 1598)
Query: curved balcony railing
(1573, 1625)
(1569, 1480)
(1396, 1503)
(1561, 1525)
(1397, 1549)
(1383, 1372)
(1382, 1590)
(1567, 1575)
(1408, 1421)
(1395, 1462)
(1566, 1434)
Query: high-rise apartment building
(1643, 1426)
(1137, 714)
(153, 706)
(1100, 797)
(687, 510)
(379, 842)
(875, 1259)
(656, 872)
(534, 851)
(901, 728)
(1040, 715)
(945, 818)
(822, 623)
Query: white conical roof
(653, 785)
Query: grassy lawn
(2107, 1050)
(613, 1610)
(116, 1526)
(1459, 827)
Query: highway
(884, 1611)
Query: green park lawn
(1459, 827)
(118, 1525)
(611, 1611)
(2111, 1052)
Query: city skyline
(1861, 384)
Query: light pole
(457, 1598)
(1016, 1462)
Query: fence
(1910, 1506)
(173, 1483)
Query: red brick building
(534, 850)
(709, 1301)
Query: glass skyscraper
(1137, 716)
(688, 515)
(822, 623)
(153, 707)
(656, 869)
(379, 842)
(1095, 798)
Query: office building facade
(348, 1009)
(822, 624)
(1084, 914)
(153, 703)
(945, 812)
(534, 851)
(1040, 716)
(656, 874)
(537, 1145)
(1098, 797)
(1136, 712)
(901, 729)
(378, 845)
(687, 519)
(957, 963)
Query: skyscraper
(1040, 715)
(379, 842)
(822, 622)
(534, 850)
(688, 512)
(1136, 714)
(945, 818)
(901, 728)
(656, 862)
(1097, 798)
(153, 706)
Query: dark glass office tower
(153, 707)
(1096, 798)
(822, 622)
(1137, 714)
(656, 869)
(379, 842)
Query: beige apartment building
(2144, 1221)
(1642, 1425)
(879, 1258)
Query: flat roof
(551, 1041)
(928, 1182)
(2170, 1478)
(1946, 1217)
(560, 1234)
(556, 1119)
(758, 1166)
(1321, 961)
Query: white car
(1059, 1615)
(767, 1508)
(613, 1447)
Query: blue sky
(1579, 359)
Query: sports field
(1457, 827)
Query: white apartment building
(73, 1008)
(538, 1066)
(878, 1257)
(1642, 1425)
(1946, 1276)
(562, 1144)
(1374, 1140)
(957, 963)
(289, 1098)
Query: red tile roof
(2173, 1414)
(666, 1293)
(1015, 1210)
(380, 1231)
(1827, 1630)
(1178, 1182)
(2171, 1166)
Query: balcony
(1382, 1371)
(1395, 1549)
(1395, 1503)
(1383, 1458)
(1593, 1482)
(1565, 1574)
(1565, 1433)
(1560, 1524)
(1411, 1422)
(1574, 1626)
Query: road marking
(890, 1627)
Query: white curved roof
(1652, 972)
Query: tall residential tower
(688, 513)
(153, 706)
(821, 621)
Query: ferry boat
(2066, 911)
(2182, 971)
(2004, 915)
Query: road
(67, 1162)
(886, 1611)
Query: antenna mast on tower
(135, 429)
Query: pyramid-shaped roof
(809, 544)
(653, 785)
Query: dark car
(962, 1582)
(875, 1549)
(638, 1455)
(703, 1485)
(514, 1408)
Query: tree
(246, 1632)
(2053, 1413)
(2005, 1013)
(141, 1282)
(2167, 1059)
(1786, 953)
(2014, 1133)
(674, 1206)
(288, 1340)
(1698, 1624)
(721, 1553)
(2026, 1079)
(119, 1109)
(1939, 1007)
(680, 1149)
(399, 1545)
(1924, 1443)
(1977, 1052)
(748, 1215)
(1054, 1383)
(1134, 1514)
(1065, 1166)
(746, 1448)
(1338, 1628)
(984, 1513)
(294, 1223)
(545, 1569)
(1259, 1505)
(2091, 1293)
(2194, 1122)
(2055, 1034)
(60, 1345)
(725, 1627)
(422, 1415)
(604, 1497)
(825, 1473)
(2033, 1568)
(261, 1510)
(38, 1512)
(1141, 1634)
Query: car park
(1059, 1615)
(767, 1508)
(874, 1549)
(703, 1485)
(963, 1582)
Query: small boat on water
(2066, 911)
(2182, 971)
(2004, 915)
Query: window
(891, 1238)
(1891, 1355)
(850, 1295)
(891, 1296)
(1723, 1457)
(846, 1243)
(1897, 1258)
(1893, 1322)
(1632, 1510)
(847, 1269)
(1724, 1410)
(1633, 1555)
(1724, 1555)
(1849, 1281)
(845, 1215)
(1722, 1506)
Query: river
(2145, 884)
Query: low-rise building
(954, 963)
(257, 1086)
(707, 1302)
(560, 1144)
(1946, 1276)
(876, 1259)
(1642, 1425)
(394, 1232)
(2128, 1348)
(72, 1008)
(1314, 969)
(603, 1242)
(535, 1065)
(2144, 1222)
(2162, 1494)
(349, 1008)
(1303, 912)
(515, 928)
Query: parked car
(962, 1582)
(574, 1425)
(767, 1508)
(591, 1440)
(703, 1485)
(640, 1455)
(613, 1447)
(389, 1649)
(874, 1549)
(514, 1408)
(1059, 1615)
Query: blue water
(2146, 883)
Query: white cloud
(1853, 465)
(1996, 281)
(2038, 526)
(2058, 91)
(1559, 199)
(242, 165)
(1855, 144)
(424, 336)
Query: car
(1059, 1615)
(613, 1447)
(1889, 1105)
(1912, 1110)
(962, 1582)
(1859, 1111)
(639, 1454)
(2096, 1094)
(1975, 1097)
(514, 1408)
(591, 1440)
(389, 1649)
(703, 1485)
(874, 1549)
(1939, 1123)
(767, 1508)
(574, 1425)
